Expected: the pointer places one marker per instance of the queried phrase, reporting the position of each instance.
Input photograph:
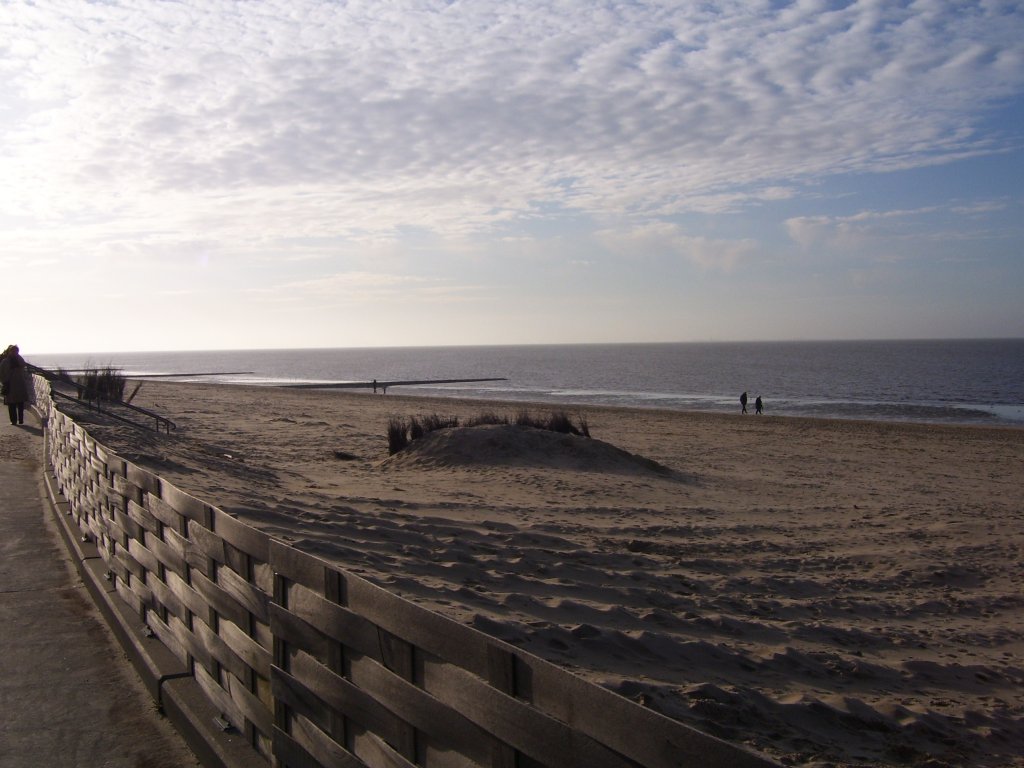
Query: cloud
(370, 288)
(866, 227)
(459, 117)
(665, 239)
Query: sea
(953, 382)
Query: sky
(303, 173)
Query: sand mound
(513, 445)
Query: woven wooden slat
(615, 720)
(131, 565)
(246, 648)
(128, 596)
(263, 577)
(183, 503)
(288, 752)
(373, 751)
(165, 596)
(299, 699)
(168, 555)
(297, 633)
(143, 556)
(220, 600)
(142, 517)
(248, 703)
(143, 592)
(121, 528)
(116, 568)
(514, 721)
(142, 479)
(163, 512)
(220, 698)
(441, 636)
(250, 540)
(330, 690)
(206, 541)
(335, 621)
(248, 595)
(299, 567)
(218, 650)
(167, 635)
(191, 642)
(124, 488)
(189, 597)
(179, 544)
(325, 750)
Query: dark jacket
(14, 377)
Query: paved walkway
(68, 696)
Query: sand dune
(828, 593)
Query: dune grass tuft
(401, 432)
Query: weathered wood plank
(288, 752)
(327, 752)
(440, 635)
(220, 698)
(426, 713)
(168, 555)
(184, 504)
(143, 556)
(126, 594)
(218, 650)
(143, 517)
(252, 541)
(220, 600)
(248, 595)
(254, 655)
(336, 621)
(515, 722)
(206, 541)
(601, 714)
(249, 704)
(165, 596)
(191, 642)
(163, 512)
(295, 632)
(297, 566)
(189, 597)
(143, 479)
(167, 636)
(342, 696)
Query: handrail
(167, 424)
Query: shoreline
(821, 590)
(484, 404)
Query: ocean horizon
(973, 381)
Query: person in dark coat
(14, 379)
(758, 406)
(743, 402)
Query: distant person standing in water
(743, 402)
(758, 406)
(14, 378)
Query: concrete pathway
(68, 696)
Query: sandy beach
(824, 592)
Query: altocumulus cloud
(360, 117)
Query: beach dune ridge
(823, 592)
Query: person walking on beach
(758, 406)
(743, 402)
(15, 383)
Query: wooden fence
(319, 667)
